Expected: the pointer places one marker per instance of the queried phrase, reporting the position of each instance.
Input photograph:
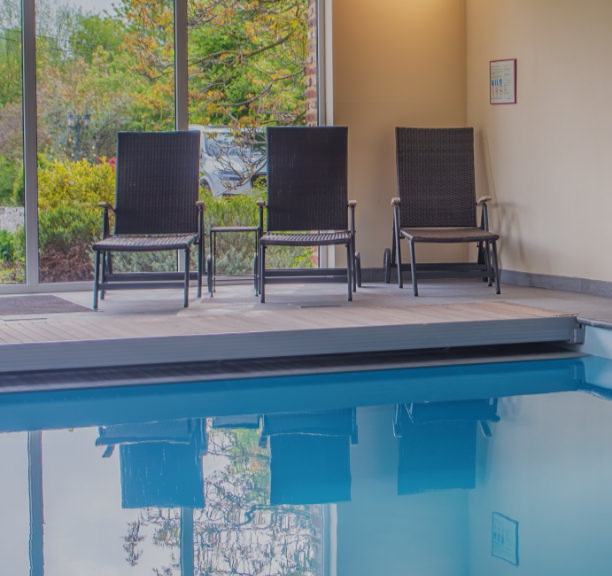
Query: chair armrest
(105, 219)
(396, 205)
(261, 205)
(201, 208)
(351, 205)
(484, 217)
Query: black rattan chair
(437, 203)
(307, 202)
(156, 209)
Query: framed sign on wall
(502, 78)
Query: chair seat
(307, 238)
(145, 243)
(444, 235)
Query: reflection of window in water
(237, 531)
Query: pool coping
(227, 346)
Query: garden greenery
(70, 221)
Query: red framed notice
(502, 81)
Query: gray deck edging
(563, 283)
(198, 348)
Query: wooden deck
(152, 328)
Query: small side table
(213, 251)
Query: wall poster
(502, 74)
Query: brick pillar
(312, 108)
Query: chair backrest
(435, 176)
(307, 178)
(157, 182)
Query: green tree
(248, 61)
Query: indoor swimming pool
(464, 470)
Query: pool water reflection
(463, 470)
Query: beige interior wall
(547, 160)
(395, 63)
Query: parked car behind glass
(231, 161)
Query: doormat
(37, 304)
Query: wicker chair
(307, 202)
(437, 203)
(156, 209)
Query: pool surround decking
(311, 322)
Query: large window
(12, 248)
(101, 68)
(251, 65)
(109, 65)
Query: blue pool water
(486, 469)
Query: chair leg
(387, 264)
(186, 295)
(256, 273)
(103, 270)
(497, 284)
(200, 264)
(213, 252)
(354, 265)
(96, 280)
(487, 259)
(398, 252)
(262, 273)
(349, 274)
(210, 275)
(415, 289)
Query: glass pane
(251, 65)
(12, 246)
(102, 67)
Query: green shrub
(69, 217)
(7, 247)
(70, 221)
(235, 252)
(12, 250)
(11, 179)
(18, 193)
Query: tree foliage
(98, 73)
(247, 61)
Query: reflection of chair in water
(310, 456)
(249, 421)
(161, 462)
(437, 448)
